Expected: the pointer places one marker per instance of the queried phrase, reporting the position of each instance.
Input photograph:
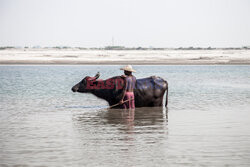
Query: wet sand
(143, 57)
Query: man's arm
(121, 101)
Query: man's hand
(121, 102)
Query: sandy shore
(75, 56)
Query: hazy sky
(132, 23)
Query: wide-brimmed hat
(128, 68)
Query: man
(129, 89)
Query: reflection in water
(130, 133)
(148, 116)
(121, 125)
(136, 117)
(131, 121)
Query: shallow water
(43, 123)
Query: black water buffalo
(148, 92)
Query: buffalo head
(81, 86)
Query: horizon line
(119, 47)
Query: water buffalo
(148, 92)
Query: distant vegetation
(115, 48)
(126, 48)
(7, 47)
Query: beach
(135, 57)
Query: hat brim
(125, 69)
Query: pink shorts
(131, 103)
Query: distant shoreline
(122, 48)
(120, 57)
(122, 63)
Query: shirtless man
(129, 90)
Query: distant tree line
(7, 47)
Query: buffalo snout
(74, 89)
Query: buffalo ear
(97, 75)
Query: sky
(131, 23)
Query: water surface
(43, 123)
